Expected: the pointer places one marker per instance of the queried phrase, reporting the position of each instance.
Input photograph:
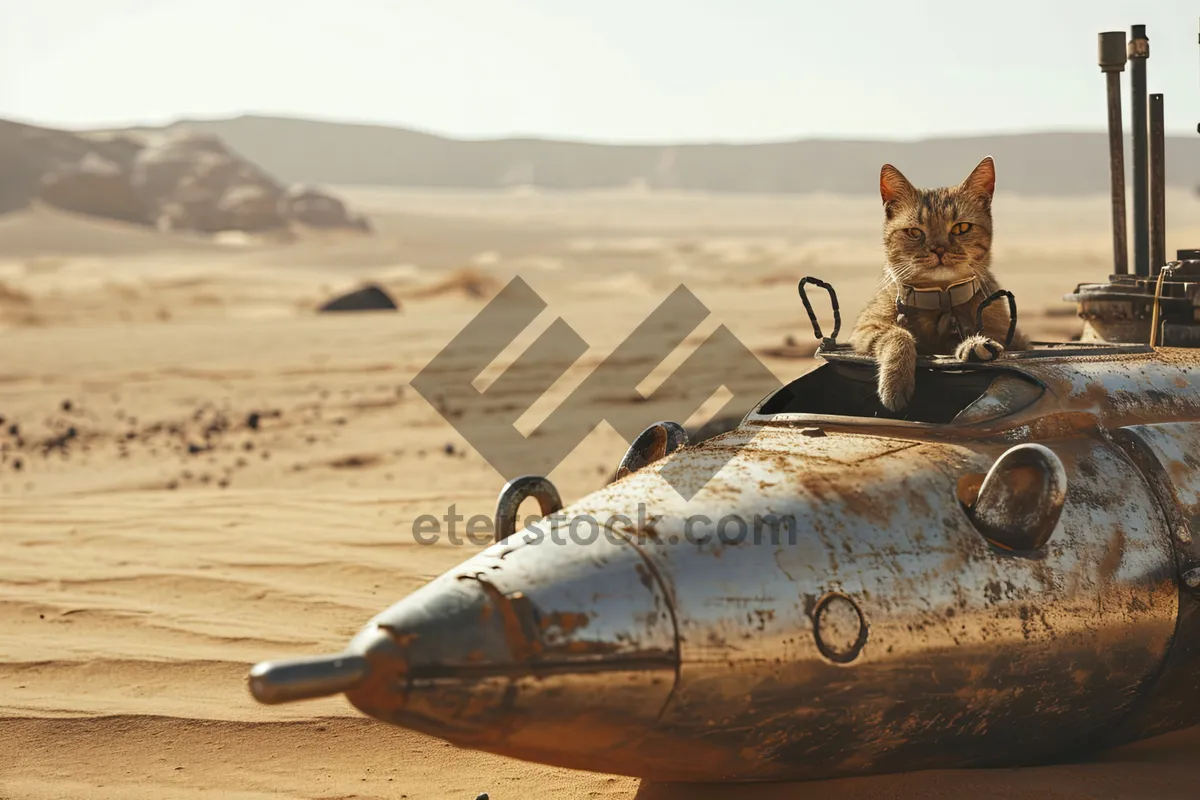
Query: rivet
(1192, 578)
(1183, 534)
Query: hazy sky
(614, 70)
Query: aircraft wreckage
(1008, 573)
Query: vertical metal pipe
(1112, 64)
(1139, 51)
(1158, 186)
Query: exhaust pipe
(1112, 64)
(1139, 51)
(1158, 186)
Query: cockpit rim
(1037, 351)
(1010, 363)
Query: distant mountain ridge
(322, 152)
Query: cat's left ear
(982, 180)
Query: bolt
(1192, 578)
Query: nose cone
(305, 678)
(540, 649)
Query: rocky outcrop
(181, 181)
(310, 206)
(27, 154)
(94, 186)
(195, 183)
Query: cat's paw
(978, 348)
(896, 388)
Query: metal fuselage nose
(522, 642)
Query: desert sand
(199, 472)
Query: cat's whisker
(932, 238)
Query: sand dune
(198, 472)
(43, 233)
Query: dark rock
(317, 209)
(368, 298)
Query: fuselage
(819, 602)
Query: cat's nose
(939, 251)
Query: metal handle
(1012, 314)
(657, 441)
(514, 493)
(812, 316)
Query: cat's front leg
(896, 354)
(978, 348)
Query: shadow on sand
(1164, 767)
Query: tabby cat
(938, 244)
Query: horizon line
(180, 121)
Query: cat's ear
(894, 188)
(982, 180)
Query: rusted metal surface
(1019, 501)
(961, 636)
(827, 605)
(1168, 454)
(527, 646)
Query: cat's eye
(916, 234)
(960, 228)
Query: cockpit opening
(943, 396)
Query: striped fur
(932, 237)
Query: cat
(935, 239)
